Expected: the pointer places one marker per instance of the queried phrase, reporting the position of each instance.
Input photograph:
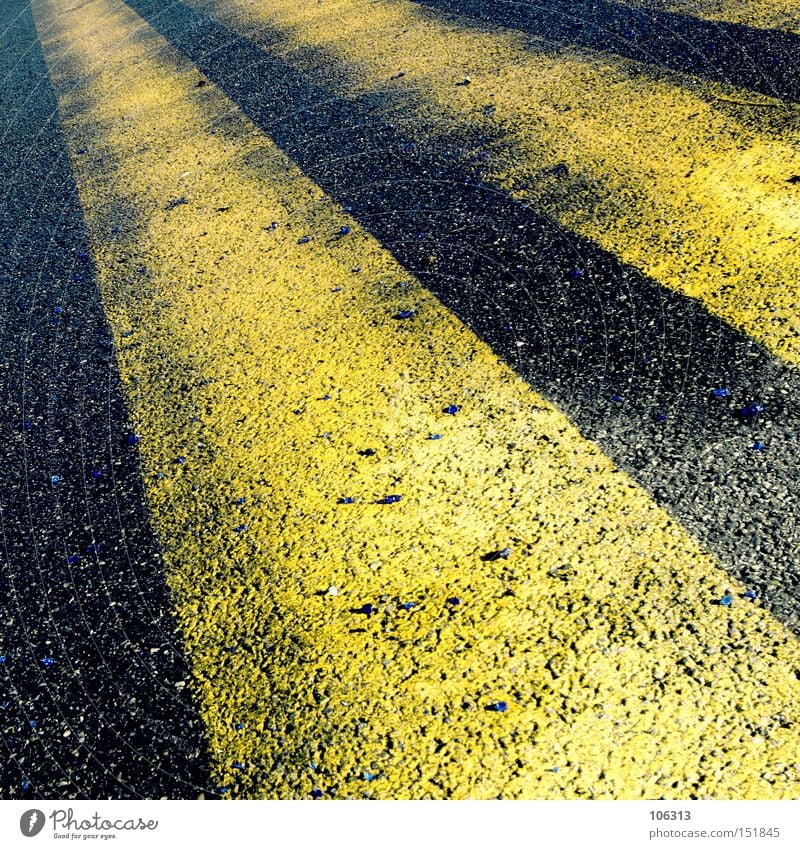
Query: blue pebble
(750, 411)
(222, 790)
(240, 528)
(452, 409)
(726, 600)
(3, 659)
(33, 723)
(616, 398)
(55, 479)
(27, 425)
(239, 726)
(722, 392)
(133, 439)
(345, 231)
(239, 501)
(47, 661)
(454, 600)
(408, 605)
(304, 240)
(316, 793)
(660, 417)
(750, 594)
(58, 310)
(347, 500)
(368, 776)
(238, 765)
(97, 473)
(367, 610)
(26, 785)
(435, 436)
(93, 549)
(356, 270)
(758, 445)
(406, 314)
(181, 460)
(390, 499)
(499, 707)
(73, 559)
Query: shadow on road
(763, 61)
(634, 365)
(89, 706)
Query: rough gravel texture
(498, 612)
(92, 669)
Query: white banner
(413, 825)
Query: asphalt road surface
(400, 400)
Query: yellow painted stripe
(761, 14)
(685, 181)
(268, 365)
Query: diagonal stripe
(576, 323)
(104, 719)
(762, 61)
(689, 183)
(761, 14)
(359, 647)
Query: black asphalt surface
(90, 701)
(633, 364)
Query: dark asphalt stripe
(570, 318)
(109, 720)
(764, 61)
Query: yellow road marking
(762, 14)
(620, 676)
(685, 181)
